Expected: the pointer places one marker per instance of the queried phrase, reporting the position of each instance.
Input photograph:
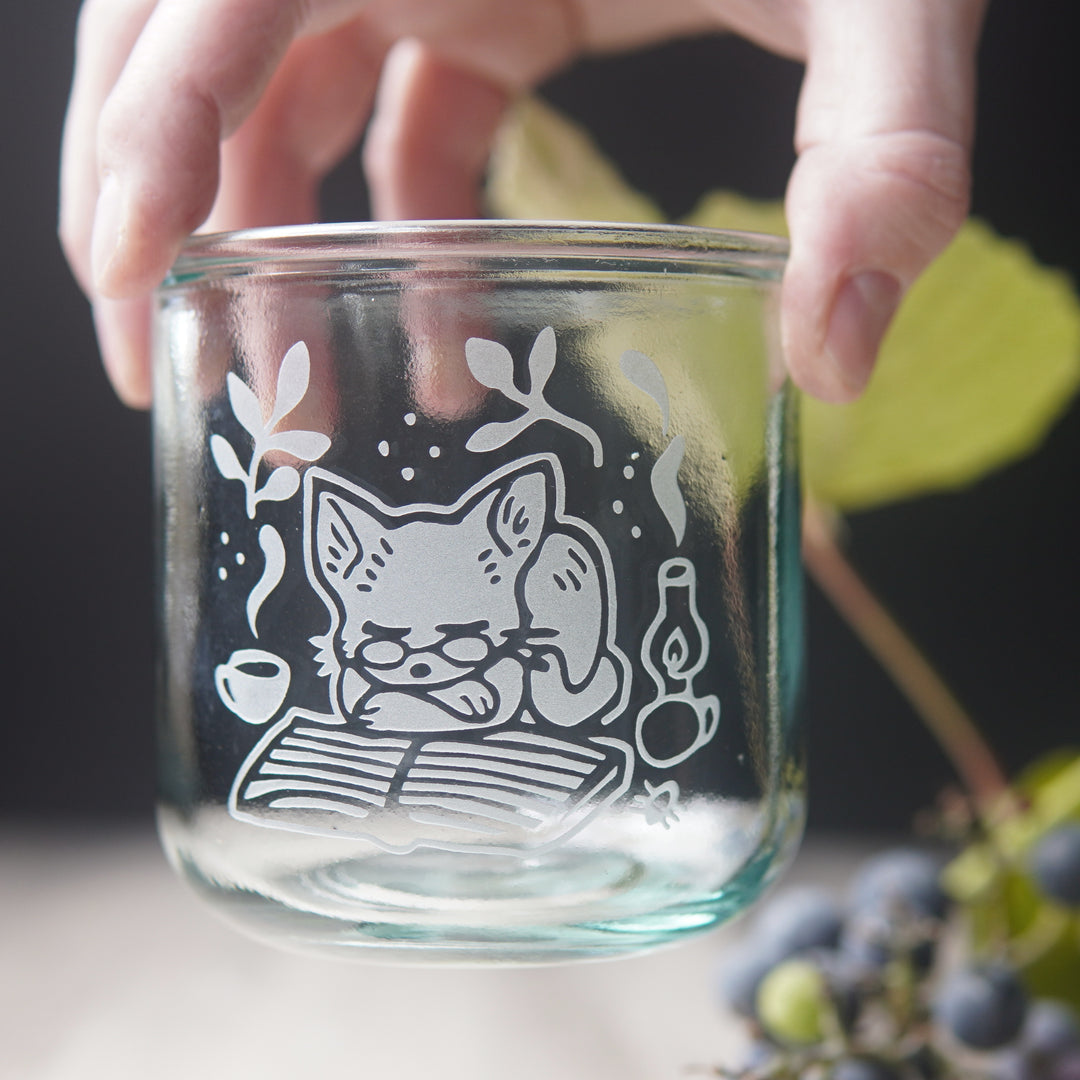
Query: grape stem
(937, 706)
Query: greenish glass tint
(480, 602)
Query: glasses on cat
(481, 603)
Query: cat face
(465, 615)
(425, 599)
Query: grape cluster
(854, 991)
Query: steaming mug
(252, 684)
(480, 610)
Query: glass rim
(357, 246)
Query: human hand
(228, 113)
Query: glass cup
(480, 596)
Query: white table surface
(111, 969)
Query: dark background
(987, 580)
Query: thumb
(882, 182)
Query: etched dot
(224, 537)
(617, 506)
(409, 418)
(384, 448)
(434, 451)
(240, 558)
(222, 573)
(635, 532)
(628, 472)
(407, 473)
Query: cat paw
(471, 700)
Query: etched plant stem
(492, 366)
(937, 706)
(251, 484)
(543, 411)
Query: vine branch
(940, 711)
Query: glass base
(441, 907)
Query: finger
(883, 180)
(107, 32)
(123, 331)
(197, 70)
(425, 153)
(430, 135)
(312, 113)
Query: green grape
(793, 1003)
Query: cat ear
(517, 518)
(337, 544)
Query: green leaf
(729, 210)
(544, 166)
(1051, 788)
(1047, 771)
(973, 874)
(982, 358)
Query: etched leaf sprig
(492, 365)
(283, 481)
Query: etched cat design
(497, 608)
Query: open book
(487, 790)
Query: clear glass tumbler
(480, 597)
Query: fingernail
(108, 228)
(123, 330)
(861, 314)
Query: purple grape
(901, 878)
(1055, 864)
(1051, 1028)
(873, 938)
(982, 1006)
(1066, 1067)
(800, 919)
(797, 920)
(1017, 1065)
(739, 976)
(863, 1068)
(1048, 1047)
